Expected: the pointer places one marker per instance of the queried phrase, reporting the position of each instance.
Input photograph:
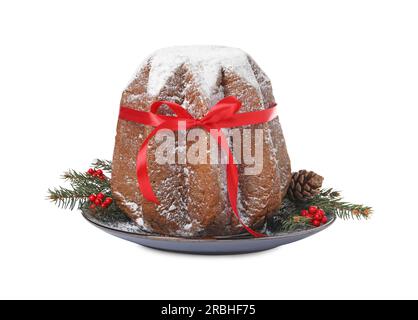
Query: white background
(345, 75)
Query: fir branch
(105, 165)
(73, 176)
(80, 180)
(68, 198)
(328, 200)
(332, 202)
(82, 185)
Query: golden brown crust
(193, 198)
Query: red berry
(317, 216)
(310, 216)
(104, 205)
(108, 200)
(92, 197)
(98, 202)
(324, 219)
(100, 196)
(102, 177)
(316, 223)
(321, 212)
(304, 213)
(92, 206)
(99, 172)
(90, 171)
(312, 209)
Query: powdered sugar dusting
(133, 207)
(197, 78)
(206, 62)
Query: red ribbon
(222, 115)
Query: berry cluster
(96, 173)
(315, 215)
(99, 201)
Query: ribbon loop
(222, 115)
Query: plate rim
(332, 219)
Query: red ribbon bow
(222, 115)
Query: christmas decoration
(304, 185)
(332, 202)
(314, 212)
(90, 188)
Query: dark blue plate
(123, 228)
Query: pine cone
(304, 185)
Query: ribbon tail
(232, 184)
(142, 170)
(232, 181)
